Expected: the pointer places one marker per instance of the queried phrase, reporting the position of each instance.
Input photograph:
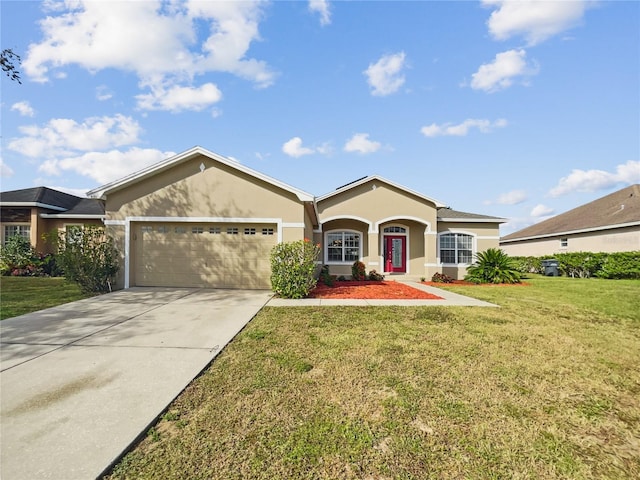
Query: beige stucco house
(201, 219)
(608, 224)
(34, 212)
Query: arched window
(343, 246)
(456, 248)
(395, 229)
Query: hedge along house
(199, 219)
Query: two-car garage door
(216, 255)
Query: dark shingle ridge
(617, 208)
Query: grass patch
(20, 295)
(547, 386)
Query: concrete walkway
(448, 299)
(80, 382)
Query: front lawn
(20, 295)
(548, 386)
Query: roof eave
(474, 220)
(380, 179)
(32, 204)
(570, 232)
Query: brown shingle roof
(447, 214)
(617, 208)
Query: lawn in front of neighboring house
(20, 295)
(547, 386)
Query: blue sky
(521, 110)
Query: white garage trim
(129, 220)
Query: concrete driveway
(80, 382)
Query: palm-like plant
(493, 266)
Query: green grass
(548, 386)
(20, 295)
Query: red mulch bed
(369, 290)
(462, 282)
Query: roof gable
(145, 173)
(364, 180)
(618, 208)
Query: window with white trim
(456, 248)
(343, 246)
(16, 231)
(395, 229)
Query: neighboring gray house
(608, 224)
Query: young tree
(87, 256)
(9, 58)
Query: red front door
(395, 257)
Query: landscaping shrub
(375, 276)
(326, 277)
(358, 271)
(617, 265)
(441, 278)
(620, 265)
(293, 267)
(493, 266)
(19, 259)
(87, 257)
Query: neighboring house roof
(616, 210)
(446, 214)
(378, 178)
(62, 204)
(135, 177)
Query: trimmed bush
(358, 271)
(375, 276)
(19, 259)
(441, 278)
(615, 265)
(493, 266)
(293, 267)
(326, 277)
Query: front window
(456, 248)
(343, 247)
(17, 231)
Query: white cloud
(62, 136)
(462, 129)
(594, 180)
(176, 99)
(97, 35)
(514, 197)
(103, 93)
(541, 210)
(360, 143)
(535, 20)
(501, 73)
(322, 8)
(5, 170)
(105, 167)
(23, 108)
(384, 76)
(294, 148)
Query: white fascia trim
(571, 232)
(383, 180)
(100, 192)
(473, 220)
(32, 204)
(347, 217)
(115, 222)
(399, 218)
(78, 217)
(293, 225)
(127, 230)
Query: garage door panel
(164, 257)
